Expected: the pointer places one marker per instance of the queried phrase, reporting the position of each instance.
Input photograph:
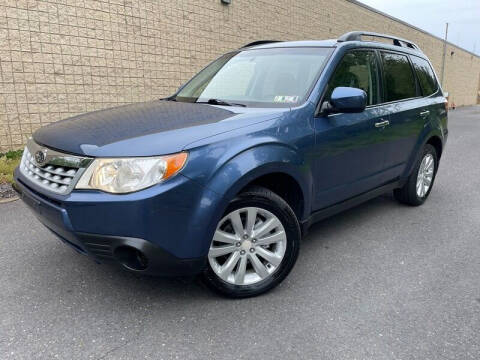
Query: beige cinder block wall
(63, 57)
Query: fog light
(131, 258)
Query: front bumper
(169, 225)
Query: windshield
(280, 77)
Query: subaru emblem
(40, 157)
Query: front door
(350, 148)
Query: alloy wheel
(248, 246)
(425, 175)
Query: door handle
(425, 113)
(382, 124)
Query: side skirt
(347, 204)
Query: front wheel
(255, 245)
(420, 182)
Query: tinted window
(425, 75)
(399, 79)
(357, 69)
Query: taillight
(446, 105)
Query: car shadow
(364, 212)
(181, 291)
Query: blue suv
(224, 177)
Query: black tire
(408, 193)
(262, 198)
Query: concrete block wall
(59, 58)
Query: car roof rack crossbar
(260, 42)
(357, 36)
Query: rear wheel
(419, 184)
(255, 245)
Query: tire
(409, 193)
(268, 210)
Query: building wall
(63, 57)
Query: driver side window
(357, 69)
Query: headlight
(130, 174)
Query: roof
(333, 43)
(304, 43)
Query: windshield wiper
(220, 102)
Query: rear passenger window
(399, 79)
(425, 75)
(357, 69)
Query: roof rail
(357, 36)
(260, 42)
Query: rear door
(349, 153)
(434, 103)
(407, 111)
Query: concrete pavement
(380, 281)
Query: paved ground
(381, 281)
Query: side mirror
(346, 100)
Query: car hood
(146, 129)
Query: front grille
(55, 178)
(57, 173)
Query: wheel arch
(285, 186)
(436, 142)
(281, 178)
(261, 165)
(432, 137)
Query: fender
(256, 162)
(427, 133)
(247, 166)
